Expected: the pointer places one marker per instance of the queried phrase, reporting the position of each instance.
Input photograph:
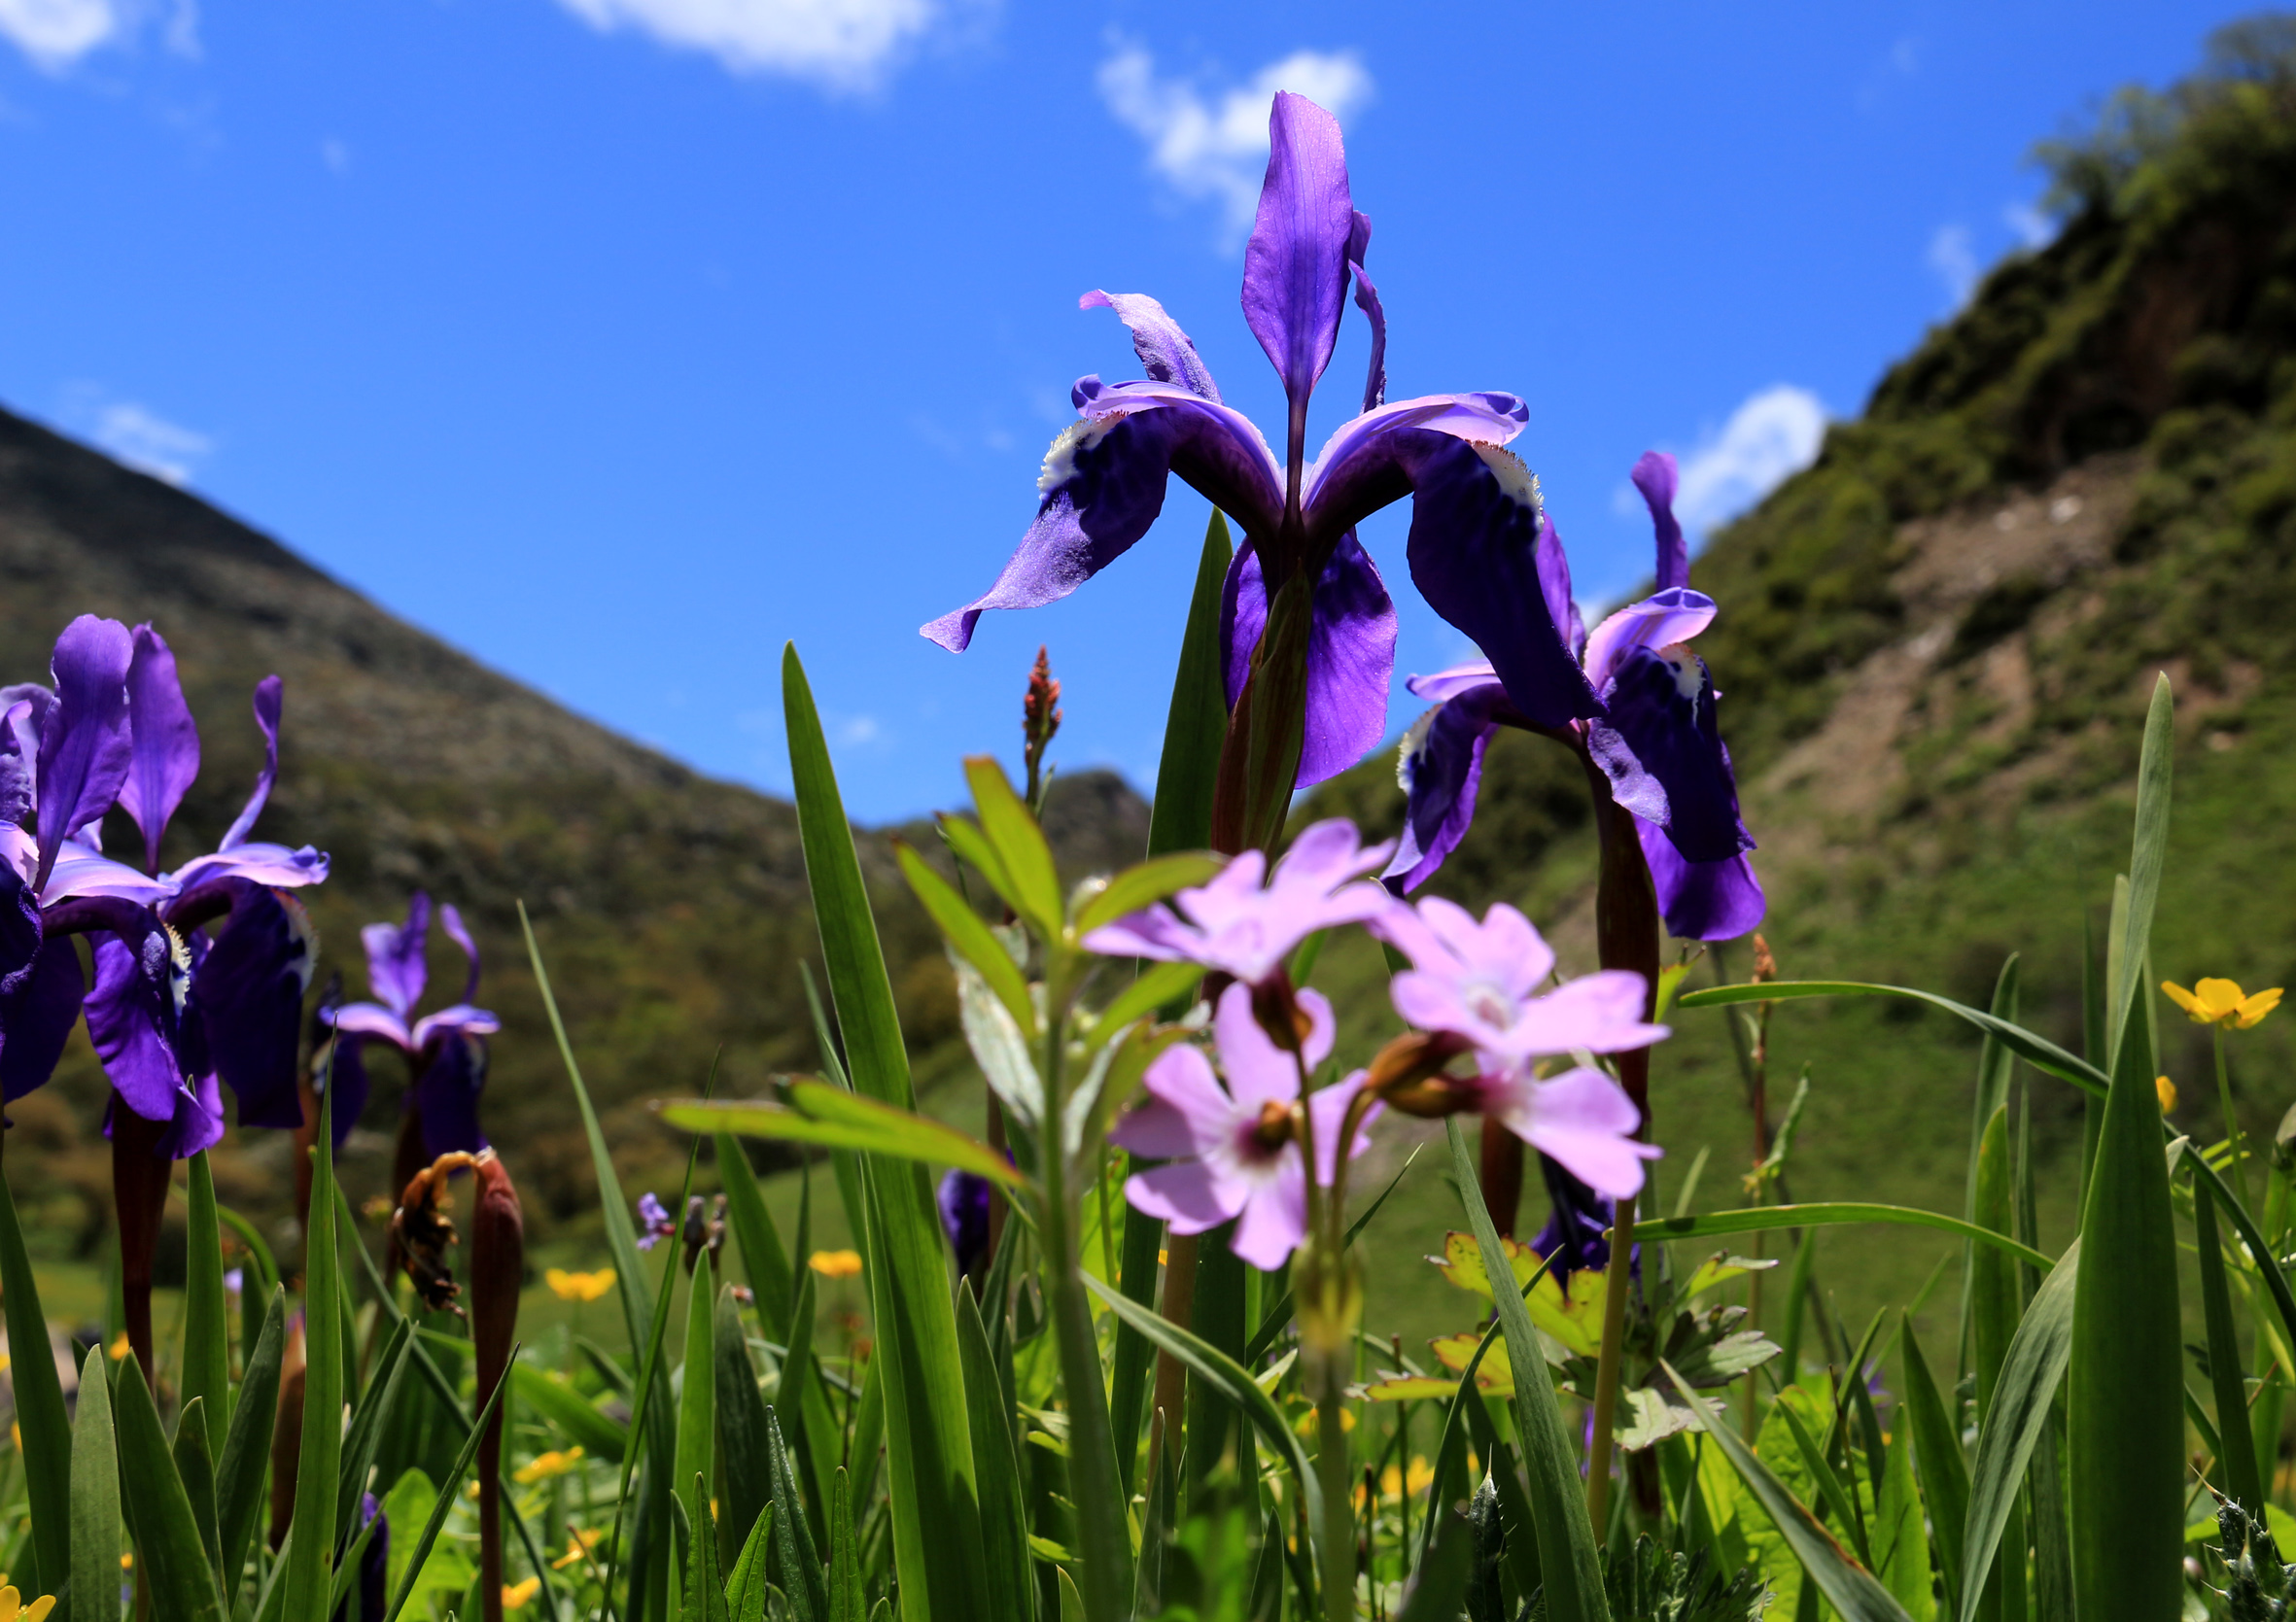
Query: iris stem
(1606, 1373)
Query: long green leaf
(934, 1499)
(1020, 844)
(795, 1555)
(550, 1398)
(310, 1563)
(766, 1265)
(1995, 1299)
(1004, 1520)
(697, 1406)
(846, 1596)
(2148, 852)
(2029, 1375)
(2126, 1422)
(1211, 1364)
(207, 1353)
(368, 1416)
(92, 1549)
(2242, 1480)
(1196, 725)
(1855, 1592)
(742, 1428)
(1145, 883)
(448, 1491)
(2037, 1050)
(705, 1588)
(968, 935)
(1840, 1497)
(1567, 1549)
(195, 1465)
(46, 1430)
(820, 1113)
(1766, 1219)
(247, 1445)
(745, 1585)
(1158, 985)
(167, 1534)
(1938, 1460)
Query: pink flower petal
(1188, 1194)
(1601, 1013)
(1585, 1121)
(1274, 1218)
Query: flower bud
(287, 1431)
(498, 1268)
(1408, 1074)
(704, 1231)
(1276, 1007)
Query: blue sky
(617, 341)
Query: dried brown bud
(497, 1269)
(424, 1233)
(1408, 1074)
(1277, 1007)
(287, 1432)
(1765, 967)
(704, 1229)
(1041, 710)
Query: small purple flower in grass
(234, 1280)
(446, 1051)
(1476, 982)
(1233, 1151)
(1236, 926)
(1105, 478)
(1574, 1237)
(964, 1199)
(654, 1223)
(1635, 699)
(375, 1566)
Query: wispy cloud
(844, 45)
(1216, 148)
(2034, 228)
(150, 443)
(1953, 255)
(57, 33)
(1771, 436)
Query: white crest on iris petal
(179, 967)
(1415, 744)
(1521, 484)
(1690, 678)
(1060, 461)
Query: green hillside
(1935, 646)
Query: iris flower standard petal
(248, 991)
(397, 967)
(1635, 700)
(446, 1051)
(1104, 482)
(163, 758)
(85, 746)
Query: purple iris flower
(1578, 1224)
(446, 1051)
(375, 1566)
(653, 1222)
(1651, 729)
(1236, 926)
(1474, 506)
(964, 1199)
(173, 1008)
(1233, 1152)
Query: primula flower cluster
(1473, 994)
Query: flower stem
(2232, 1127)
(1332, 1467)
(1606, 1374)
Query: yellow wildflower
(579, 1287)
(118, 1347)
(1306, 1425)
(2223, 1002)
(2168, 1094)
(378, 1208)
(516, 1594)
(543, 1465)
(577, 1547)
(13, 1607)
(835, 1263)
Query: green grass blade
(1855, 1592)
(1840, 1497)
(247, 1445)
(2237, 1448)
(1143, 884)
(1994, 1298)
(371, 1414)
(1768, 1219)
(747, 1583)
(1567, 1554)
(846, 1598)
(309, 1564)
(2029, 1375)
(795, 1555)
(1196, 726)
(1156, 1525)
(2147, 854)
(168, 1543)
(2037, 1050)
(1004, 1523)
(448, 1491)
(705, 1591)
(48, 1442)
(207, 1355)
(1272, 1320)
(1135, 1357)
(1020, 845)
(822, 1116)
(764, 1260)
(935, 1516)
(744, 1434)
(569, 1411)
(1901, 1543)
(1519, 1528)
(968, 935)
(1995, 1065)
(697, 1406)
(91, 1554)
(195, 1465)
(2126, 1422)
(1937, 1461)
(1439, 1587)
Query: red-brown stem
(498, 1267)
(139, 1193)
(287, 1432)
(1501, 1175)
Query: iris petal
(268, 694)
(1166, 353)
(248, 993)
(1655, 475)
(38, 1009)
(1295, 267)
(85, 746)
(163, 741)
(1702, 901)
(1662, 704)
(1351, 654)
(1441, 770)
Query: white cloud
(150, 443)
(2034, 228)
(1217, 149)
(840, 45)
(1953, 255)
(1771, 436)
(57, 33)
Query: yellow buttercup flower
(13, 1607)
(579, 1287)
(578, 1548)
(2223, 1002)
(543, 1465)
(2168, 1094)
(835, 1263)
(118, 1348)
(516, 1594)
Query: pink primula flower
(1478, 982)
(1231, 1149)
(1235, 925)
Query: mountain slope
(674, 908)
